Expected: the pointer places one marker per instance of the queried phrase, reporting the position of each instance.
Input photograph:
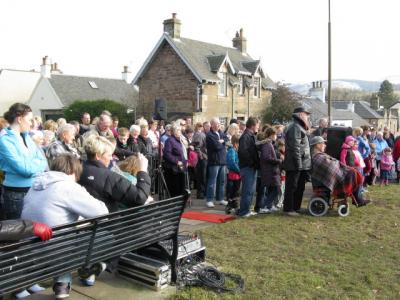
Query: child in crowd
(386, 166)
(270, 172)
(233, 183)
(370, 170)
(130, 167)
(122, 150)
(347, 156)
(280, 154)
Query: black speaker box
(336, 137)
(160, 109)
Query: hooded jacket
(297, 156)
(20, 158)
(112, 188)
(55, 198)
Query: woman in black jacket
(108, 186)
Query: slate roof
(319, 110)
(204, 59)
(361, 108)
(71, 88)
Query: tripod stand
(158, 175)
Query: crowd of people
(56, 172)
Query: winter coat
(270, 165)
(199, 143)
(386, 162)
(123, 151)
(363, 147)
(20, 159)
(55, 198)
(14, 230)
(173, 152)
(232, 160)
(112, 188)
(380, 146)
(216, 151)
(248, 153)
(297, 147)
(347, 155)
(145, 146)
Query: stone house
(202, 80)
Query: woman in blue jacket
(20, 159)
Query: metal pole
(329, 66)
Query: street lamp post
(329, 65)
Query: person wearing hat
(331, 176)
(297, 161)
(347, 156)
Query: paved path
(109, 287)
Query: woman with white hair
(108, 186)
(64, 144)
(175, 162)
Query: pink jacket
(386, 162)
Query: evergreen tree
(283, 102)
(386, 94)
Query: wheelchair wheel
(343, 210)
(318, 207)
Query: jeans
(271, 196)
(12, 204)
(248, 176)
(216, 183)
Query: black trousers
(201, 177)
(175, 182)
(294, 189)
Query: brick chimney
(173, 27)
(317, 90)
(374, 101)
(240, 42)
(126, 75)
(45, 68)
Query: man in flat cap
(297, 161)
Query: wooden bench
(85, 243)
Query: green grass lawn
(280, 257)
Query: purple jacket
(173, 152)
(270, 165)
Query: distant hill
(359, 85)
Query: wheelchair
(322, 200)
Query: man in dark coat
(249, 163)
(216, 151)
(297, 161)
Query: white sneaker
(264, 211)
(222, 202)
(210, 204)
(274, 209)
(249, 214)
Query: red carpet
(202, 216)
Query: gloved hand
(42, 230)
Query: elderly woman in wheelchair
(333, 183)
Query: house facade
(202, 80)
(55, 91)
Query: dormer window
(222, 84)
(257, 87)
(240, 90)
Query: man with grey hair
(103, 127)
(64, 144)
(322, 124)
(216, 151)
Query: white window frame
(256, 87)
(240, 90)
(223, 84)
